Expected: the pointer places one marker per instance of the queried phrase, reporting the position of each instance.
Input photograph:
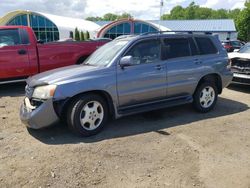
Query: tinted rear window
(174, 48)
(205, 45)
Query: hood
(64, 74)
(239, 55)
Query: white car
(240, 65)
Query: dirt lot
(175, 147)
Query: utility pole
(161, 6)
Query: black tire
(199, 93)
(76, 109)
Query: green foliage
(110, 17)
(71, 34)
(82, 37)
(193, 11)
(77, 34)
(87, 35)
(93, 19)
(243, 23)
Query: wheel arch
(214, 77)
(61, 106)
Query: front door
(145, 80)
(14, 60)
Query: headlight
(44, 92)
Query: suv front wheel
(205, 97)
(87, 115)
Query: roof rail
(123, 36)
(186, 32)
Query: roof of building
(64, 24)
(216, 25)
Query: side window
(193, 47)
(24, 36)
(175, 47)
(145, 52)
(9, 37)
(205, 45)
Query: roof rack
(124, 36)
(186, 32)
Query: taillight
(227, 46)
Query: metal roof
(219, 25)
(216, 25)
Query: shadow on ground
(12, 90)
(141, 123)
(240, 88)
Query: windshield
(104, 55)
(245, 49)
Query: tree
(77, 34)
(125, 16)
(82, 37)
(87, 35)
(110, 17)
(243, 23)
(191, 11)
(93, 19)
(71, 34)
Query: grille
(240, 66)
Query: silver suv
(129, 75)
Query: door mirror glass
(126, 61)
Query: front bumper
(241, 79)
(40, 117)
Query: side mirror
(126, 61)
(40, 41)
(236, 50)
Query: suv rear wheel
(205, 97)
(87, 115)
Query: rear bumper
(40, 117)
(241, 79)
(227, 78)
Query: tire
(87, 115)
(205, 97)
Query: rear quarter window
(205, 45)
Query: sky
(141, 9)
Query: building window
(118, 30)
(43, 28)
(143, 28)
(125, 29)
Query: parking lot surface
(175, 147)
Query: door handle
(22, 52)
(197, 61)
(158, 67)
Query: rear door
(146, 79)
(14, 60)
(183, 65)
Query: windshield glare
(245, 49)
(105, 54)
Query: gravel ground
(175, 148)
